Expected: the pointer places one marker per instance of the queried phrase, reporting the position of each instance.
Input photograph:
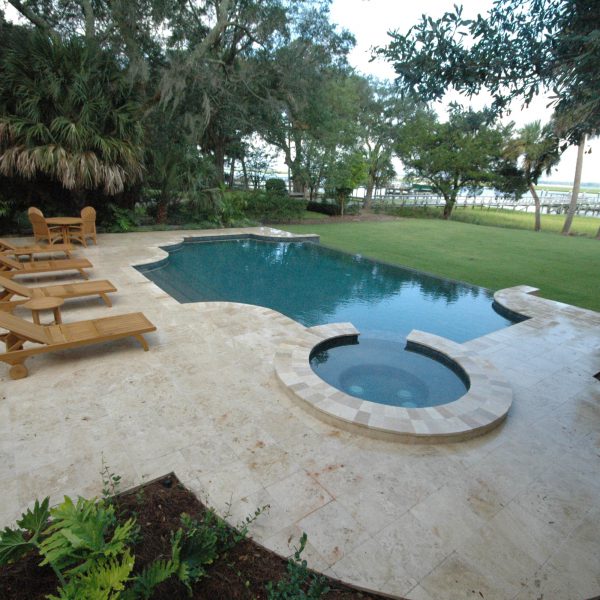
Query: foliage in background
(516, 51)
(196, 77)
(536, 148)
(67, 117)
(467, 151)
(271, 207)
(139, 108)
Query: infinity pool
(315, 285)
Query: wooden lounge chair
(61, 337)
(67, 290)
(41, 230)
(13, 250)
(87, 229)
(9, 267)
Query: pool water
(315, 285)
(383, 371)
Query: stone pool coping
(523, 301)
(158, 253)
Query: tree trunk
(576, 185)
(231, 173)
(536, 201)
(90, 19)
(450, 201)
(220, 161)
(369, 194)
(245, 172)
(297, 186)
(161, 209)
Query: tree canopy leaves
(519, 49)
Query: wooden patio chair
(87, 229)
(67, 291)
(41, 230)
(30, 251)
(9, 267)
(52, 338)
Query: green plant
(121, 219)
(268, 207)
(89, 547)
(233, 207)
(111, 482)
(300, 584)
(81, 542)
(276, 186)
(88, 550)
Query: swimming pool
(315, 285)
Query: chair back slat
(39, 225)
(6, 246)
(88, 215)
(20, 327)
(11, 263)
(15, 288)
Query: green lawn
(309, 214)
(564, 268)
(513, 219)
(522, 220)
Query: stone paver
(510, 514)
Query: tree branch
(33, 17)
(90, 19)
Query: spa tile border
(482, 408)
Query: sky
(370, 20)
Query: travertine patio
(514, 513)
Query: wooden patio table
(64, 223)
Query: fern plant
(89, 550)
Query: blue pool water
(315, 285)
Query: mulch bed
(241, 574)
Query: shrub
(276, 186)
(121, 219)
(325, 208)
(331, 209)
(268, 207)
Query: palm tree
(537, 150)
(66, 115)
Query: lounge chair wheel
(18, 372)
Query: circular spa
(388, 372)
